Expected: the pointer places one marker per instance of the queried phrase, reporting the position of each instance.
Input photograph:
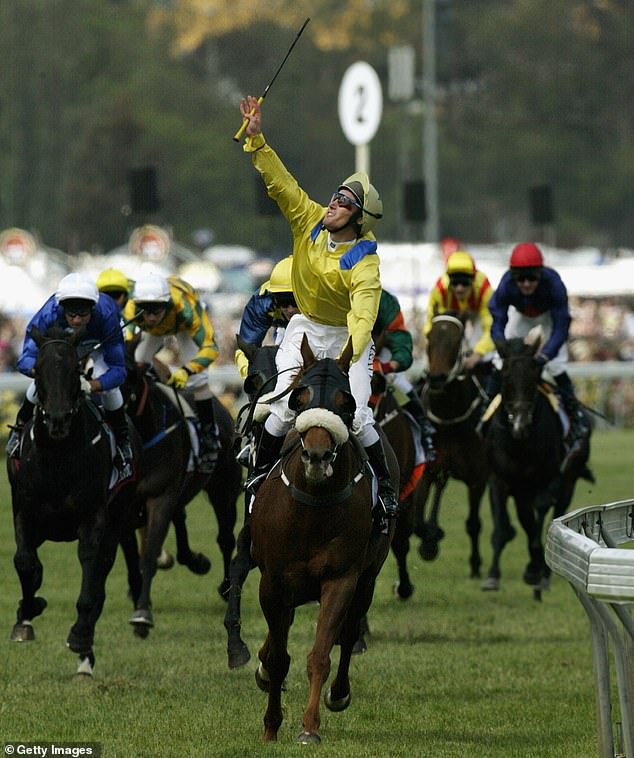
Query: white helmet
(77, 286)
(151, 288)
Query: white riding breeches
(111, 399)
(150, 344)
(325, 342)
(520, 325)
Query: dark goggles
(460, 280)
(76, 307)
(77, 312)
(152, 308)
(343, 201)
(525, 274)
(284, 300)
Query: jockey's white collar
(332, 245)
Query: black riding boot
(25, 414)
(124, 459)
(415, 407)
(578, 424)
(269, 448)
(209, 436)
(389, 498)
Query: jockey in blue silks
(77, 304)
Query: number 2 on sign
(362, 100)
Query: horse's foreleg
(532, 527)
(273, 656)
(223, 497)
(197, 563)
(237, 651)
(30, 572)
(96, 550)
(431, 533)
(502, 531)
(473, 526)
(159, 515)
(338, 695)
(400, 548)
(130, 549)
(335, 600)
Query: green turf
(452, 672)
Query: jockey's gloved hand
(85, 385)
(178, 378)
(541, 360)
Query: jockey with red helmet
(538, 296)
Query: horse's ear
(37, 336)
(307, 354)
(346, 357)
(501, 347)
(535, 338)
(247, 347)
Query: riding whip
(245, 123)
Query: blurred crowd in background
(602, 327)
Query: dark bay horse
(60, 492)
(524, 445)
(397, 426)
(315, 539)
(261, 378)
(452, 398)
(171, 480)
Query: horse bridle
(458, 366)
(40, 410)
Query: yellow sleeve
(242, 362)
(485, 343)
(434, 306)
(365, 296)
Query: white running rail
(583, 547)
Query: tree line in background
(530, 93)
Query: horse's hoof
(428, 551)
(23, 632)
(308, 738)
(336, 705)
(239, 655)
(403, 591)
(141, 631)
(223, 589)
(197, 564)
(533, 579)
(262, 678)
(491, 583)
(165, 561)
(85, 668)
(360, 646)
(142, 617)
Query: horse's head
(261, 367)
(325, 409)
(520, 379)
(57, 379)
(444, 349)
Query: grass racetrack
(452, 672)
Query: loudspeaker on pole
(143, 183)
(415, 205)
